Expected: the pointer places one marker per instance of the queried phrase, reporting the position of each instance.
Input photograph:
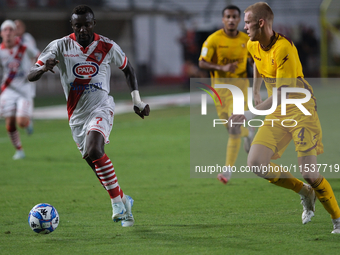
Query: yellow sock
(283, 179)
(325, 194)
(244, 131)
(233, 147)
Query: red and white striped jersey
(16, 63)
(85, 73)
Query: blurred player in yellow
(225, 54)
(277, 62)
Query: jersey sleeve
(286, 72)
(32, 52)
(208, 50)
(118, 56)
(51, 51)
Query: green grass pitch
(174, 214)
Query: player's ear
(94, 22)
(261, 22)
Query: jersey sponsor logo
(85, 70)
(86, 88)
(71, 55)
(14, 65)
(259, 59)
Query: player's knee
(23, 122)
(234, 130)
(94, 151)
(256, 165)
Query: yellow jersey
(221, 49)
(279, 65)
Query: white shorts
(100, 120)
(13, 104)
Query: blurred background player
(84, 59)
(24, 37)
(27, 39)
(277, 61)
(16, 99)
(225, 55)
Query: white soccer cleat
(19, 154)
(118, 211)
(308, 203)
(129, 220)
(336, 226)
(247, 140)
(225, 176)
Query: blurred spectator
(335, 46)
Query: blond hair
(261, 10)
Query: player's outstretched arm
(37, 71)
(231, 67)
(142, 109)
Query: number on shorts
(301, 134)
(99, 119)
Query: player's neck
(9, 45)
(267, 40)
(231, 33)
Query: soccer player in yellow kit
(225, 55)
(277, 62)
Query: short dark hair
(231, 7)
(82, 9)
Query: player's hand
(257, 99)
(50, 63)
(237, 118)
(230, 67)
(144, 112)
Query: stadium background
(162, 39)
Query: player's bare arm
(257, 82)
(231, 67)
(139, 107)
(37, 71)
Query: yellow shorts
(307, 134)
(225, 110)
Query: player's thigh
(8, 105)
(100, 121)
(273, 136)
(24, 107)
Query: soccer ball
(43, 218)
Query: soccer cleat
(225, 176)
(129, 220)
(336, 226)
(118, 211)
(247, 140)
(19, 154)
(308, 203)
(29, 129)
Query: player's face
(20, 28)
(8, 36)
(83, 25)
(252, 26)
(231, 19)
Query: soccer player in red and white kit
(84, 59)
(16, 99)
